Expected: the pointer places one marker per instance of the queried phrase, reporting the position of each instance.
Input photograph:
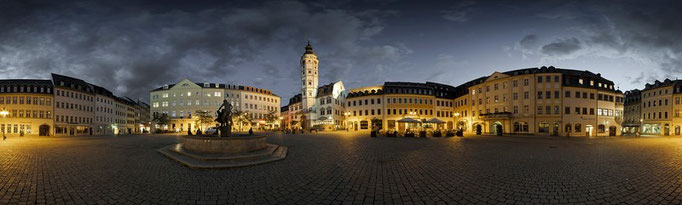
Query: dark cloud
(132, 47)
(645, 31)
(561, 47)
(461, 12)
(529, 41)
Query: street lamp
(4, 114)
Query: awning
(435, 120)
(409, 120)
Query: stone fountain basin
(224, 145)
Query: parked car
(211, 131)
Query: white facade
(181, 101)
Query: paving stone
(346, 168)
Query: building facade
(74, 106)
(632, 120)
(542, 101)
(659, 108)
(61, 106)
(401, 107)
(320, 108)
(181, 102)
(28, 107)
(547, 101)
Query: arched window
(578, 127)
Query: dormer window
(580, 81)
(206, 85)
(185, 85)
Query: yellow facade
(29, 114)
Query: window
(543, 127)
(525, 82)
(567, 110)
(516, 109)
(601, 128)
(567, 94)
(516, 96)
(539, 110)
(539, 79)
(526, 95)
(520, 127)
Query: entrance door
(666, 129)
(478, 129)
(677, 130)
(44, 130)
(355, 126)
(612, 131)
(555, 129)
(588, 130)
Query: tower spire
(309, 48)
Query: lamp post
(346, 114)
(4, 114)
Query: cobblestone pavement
(341, 168)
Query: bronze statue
(224, 114)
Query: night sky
(132, 47)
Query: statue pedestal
(225, 131)
(226, 145)
(224, 152)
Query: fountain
(224, 150)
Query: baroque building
(543, 101)
(28, 107)
(65, 106)
(659, 108)
(315, 107)
(182, 100)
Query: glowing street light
(4, 113)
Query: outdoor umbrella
(435, 120)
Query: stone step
(209, 156)
(277, 153)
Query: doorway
(44, 130)
(588, 130)
(497, 128)
(612, 131)
(555, 129)
(479, 130)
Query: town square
(340, 102)
(348, 168)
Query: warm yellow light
(4, 113)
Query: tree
(271, 117)
(203, 118)
(161, 119)
(241, 118)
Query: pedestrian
(4, 137)
(250, 131)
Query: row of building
(544, 101)
(183, 100)
(654, 110)
(67, 106)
